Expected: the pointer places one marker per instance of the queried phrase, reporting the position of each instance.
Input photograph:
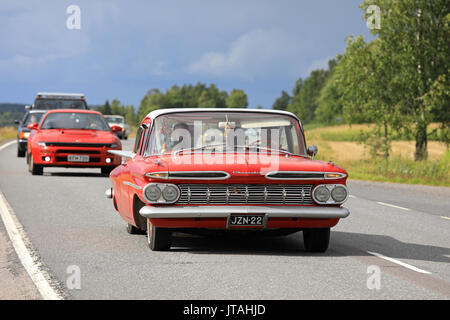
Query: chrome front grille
(245, 194)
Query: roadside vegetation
(7, 133)
(344, 146)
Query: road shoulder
(15, 282)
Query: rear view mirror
(227, 125)
(16, 121)
(312, 151)
(33, 126)
(27, 107)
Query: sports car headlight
(41, 144)
(114, 145)
(152, 192)
(170, 193)
(321, 194)
(339, 193)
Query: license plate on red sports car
(77, 158)
(246, 220)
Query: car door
(132, 179)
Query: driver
(181, 137)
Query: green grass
(402, 171)
(356, 132)
(7, 133)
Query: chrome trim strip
(132, 185)
(227, 175)
(225, 211)
(268, 175)
(324, 174)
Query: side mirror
(17, 122)
(33, 126)
(312, 151)
(27, 107)
(116, 129)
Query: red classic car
(72, 138)
(226, 170)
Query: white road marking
(393, 206)
(31, 264)
(448, 218)
(351, 196)
(403, 264)
(6, 145)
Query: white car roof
(155, 113)
(60, 94)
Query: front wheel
(35, 169)
(20, 152)
(316, 240)
(159, 239)
(134, 230)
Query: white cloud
(254, 53)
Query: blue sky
(125, 48)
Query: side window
(145, 134)
(139, 132)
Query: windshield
(114, 120)
(75, 120)
(47, 104)
(34, 117)
(225, 131)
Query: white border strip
(32, 265)
(6, 145)
(399, 263)
(393, 206)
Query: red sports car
(72, 138)
(226, 170)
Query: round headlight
(170, 193)
(339, 193)
(152, 192)
(321, 194)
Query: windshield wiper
(266, 149)
(200, 148)
(235, 147)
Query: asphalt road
(69, 221)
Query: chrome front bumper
(225, 211)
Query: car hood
(243, 168)
(81, 136)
